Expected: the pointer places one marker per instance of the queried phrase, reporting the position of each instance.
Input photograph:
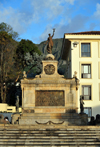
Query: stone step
(55, 132)
(48, 139)
(66, 118)
(46, 128)
(50, 114)
(48, 142)
(50, 145)
(50, 134)
(47, 131)
(69, 137)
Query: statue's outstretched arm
(53, 34)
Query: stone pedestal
(49, 97)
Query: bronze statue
(50, 43)
(17, 103)
(81, 105)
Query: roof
(86, 33)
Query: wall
(94, 60)
(5, 108)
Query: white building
(82, 54)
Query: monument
(49, 98)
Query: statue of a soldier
(50, 43)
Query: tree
(5, 56)
(14, 59)
(4, 27)
(24, 47)
(7, 47)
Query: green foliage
(7, 48)
(25, 46)
(5, 38)
(4, 27)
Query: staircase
(49, 136)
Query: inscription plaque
(49, 98)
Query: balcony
(86, 97)
(86, 75)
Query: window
(86, 71)
(86, 92)
(88, 111)
(85, 50)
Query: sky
(35, 19)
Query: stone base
(15, 118)
(52, 118)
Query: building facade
(82, 54)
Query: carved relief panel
(50, 98)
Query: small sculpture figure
(76, 79)
(75, 75)
(50, 43)
(24, 74)
(17, 103)
(81, 105)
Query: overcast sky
(35, 19)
